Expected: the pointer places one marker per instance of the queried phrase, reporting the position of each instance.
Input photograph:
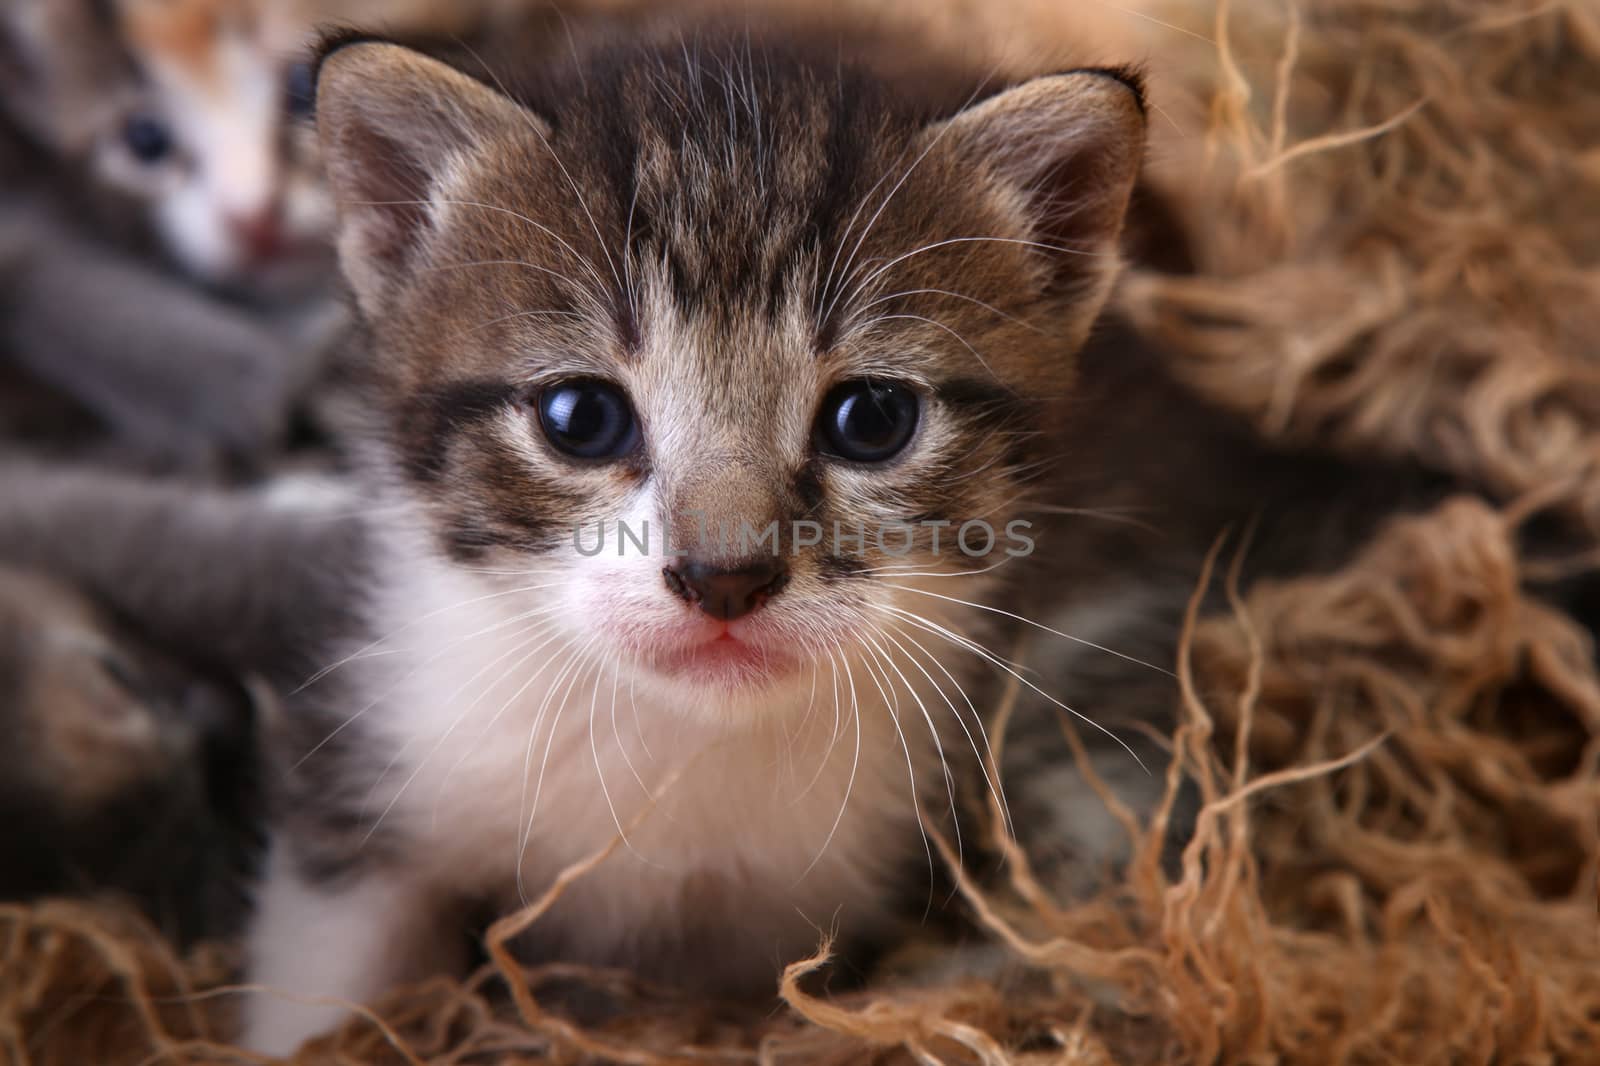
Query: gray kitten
(145, 626)
(155, 373)
(125, 770)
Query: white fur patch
(522, 743)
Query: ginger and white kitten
(215, 141)
(159, 372)
(687, 278)
(191, 115)
(183, 114)
(139, 135)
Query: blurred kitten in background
(137, 136)
(190, 112)
(127, 769)
(208, 139)
(136, 363)
(131, 735)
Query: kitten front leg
(317, 951)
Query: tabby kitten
(688, 280)
(696, 283)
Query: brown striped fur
(726, 226)
(684, 217)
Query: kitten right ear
(395, 126)
(1070, 144)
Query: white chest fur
(518, 751)
(502, 745)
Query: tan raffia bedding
(1398, 206)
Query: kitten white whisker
(1008, 316)
(889, 197)
(569, 662)
(986, 757)
(811, 700)
(510, 671)
(531, 635)
(536, 612)
(800, 727)
(833, 738)
(1036, 625)
(524, 638)
(1105, 514)
(493, 572)
(850, 783)
(616, 733)
(1016, 473)
(583, 660)
(978, 649)
(892, 705)
(599, 771)
(948, 242)
(994, 433)
(440, 268)
(627, 253)
(894, 571)
(570, 667)
(519, 216)
(823, 293)
(938, 325)
(638, 726)
(577, 191)
(521, 314)
(933, 730)
(412, 624)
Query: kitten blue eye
(588, 419)
(148, 139)
(299, 89)
(867, 421)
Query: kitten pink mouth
(724, 659)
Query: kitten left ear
(395, 126)
(1071, 144)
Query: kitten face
(216, 142)
(189, 111)
(705, 291)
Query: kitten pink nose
(727, 592)
(260, 232)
